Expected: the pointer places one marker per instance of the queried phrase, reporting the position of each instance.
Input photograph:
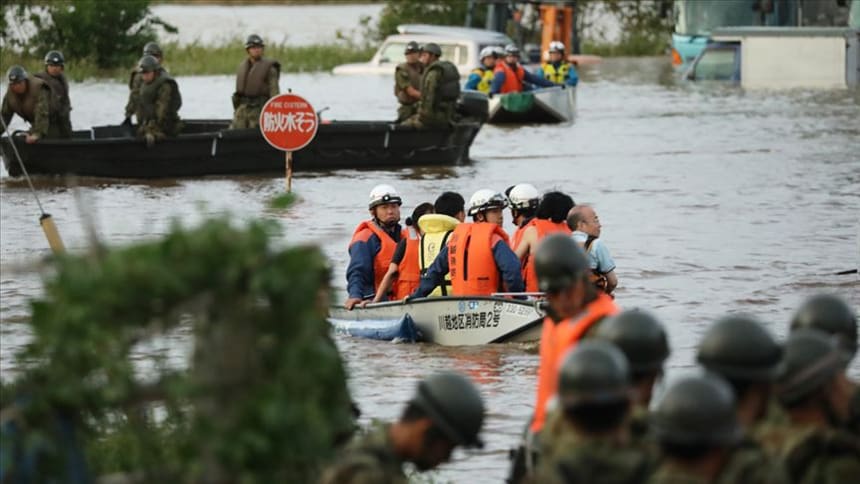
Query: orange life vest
(544, 227)
(386, 248)
(409, 270)
(513, 79)
(555, 341)
(470, 259)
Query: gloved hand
(150, 140)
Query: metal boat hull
(456, 321)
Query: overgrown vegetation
(262, 399)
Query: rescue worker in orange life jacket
(372, 246)
(478, 256)
(404, 271)
(558, 70)
(510, 76)
(523, 200)
(551, 218)
(482, 76)
(436, 229)
(575, 309)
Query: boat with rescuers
(448, 321)
(547, 105)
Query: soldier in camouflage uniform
(256, 82)
(643, 341)
(440, 88)
(587, 438)
(814, 444)
(29, 98)
(159, 103)
(407, 81)
(61, 107)
(445, 412)
(135, 81)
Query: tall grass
(197, 59)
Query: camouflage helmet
(559, 263)
(148, 63)
(17, 74)
(594, 372)
(832, 315)
(697, 410)
(454, 405)
(151, 48)
(432, 48)
(55, 58)
(812, 359)
(739, 348)
(254, 40)
(640, 336)
(412, 47)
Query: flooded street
(712, 199)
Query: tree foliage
(263, 398)
(438, 12)
(109, 33)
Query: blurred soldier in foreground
(60, 105)
(446, 411)
(587, 438)
(407, 82)
(159, 103)
(135, 81)
(30, 99)
(256, 82)
(440, 88)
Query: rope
(21, 163)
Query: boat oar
(845, 273)
(45, 220)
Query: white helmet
(498, 50)
(486, 199)
(487, 52)
(382, 194)
(556, 46)
(524, 196)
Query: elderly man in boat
(478, 255)
(510, 76)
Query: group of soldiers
(153, 99)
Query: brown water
(712, 199)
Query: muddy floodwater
(712, 199)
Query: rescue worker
(523, 199)
(159, 102)
(830, 314)
(440, 89)
(404, 270)
(814, 444)
(696, 428)
(510, 76)
(550, 218)
(478, 256)
(436, 229)
(256, 82)
(61, 107)
(642, 339)
(482, 76)
(557, 69)
(29, 98)
(407, 82)
(574, 309)
(587, 438)
(585, 224)
(446, 412)
(372, 246)
(135, 81)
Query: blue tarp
(401, 330)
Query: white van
(460, 45)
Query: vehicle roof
(467, 33)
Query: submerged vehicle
(448, 321)
(460, 45)
(548, 105)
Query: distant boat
(448, 321)
(549, 105)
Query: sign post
(288, 123)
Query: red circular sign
(288, 122)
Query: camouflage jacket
(369, 459)
(813, 454)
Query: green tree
(437, 12)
